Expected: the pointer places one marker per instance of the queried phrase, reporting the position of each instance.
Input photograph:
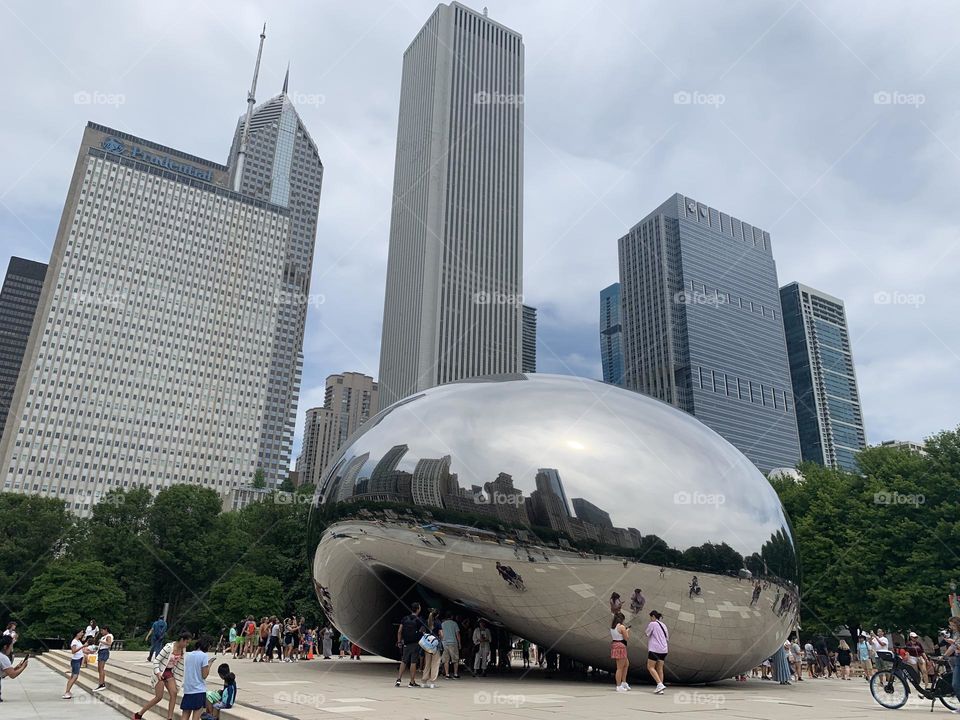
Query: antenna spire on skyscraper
(286, 79)
(251, 101)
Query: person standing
(844, 657)
(637, 601)
(344, 646)
(354, 651)
(953, 651)
(619, 635)
(78, 650)
(432, 645)
(917, 657)
(657, 647)
(327, 642)
(481, 641)
(196, 667)
(157, 635)
(232, 639)
(451, 647)
(781, 663)
(7, 668)
(863, 655)
(615, 603)
(796, 652)
(103, 654)
(166, 666)
(408, 637)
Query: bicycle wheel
(889, 689)
(950, 702)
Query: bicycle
(891, 687)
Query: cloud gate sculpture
(582, 489)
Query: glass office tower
(611, 335)
(829, 416)
(702, 326)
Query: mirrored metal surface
(577, 489)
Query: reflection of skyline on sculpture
(615, 455)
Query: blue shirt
(159, 630)
(193, 664)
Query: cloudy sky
(835, 126)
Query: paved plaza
(364, 689)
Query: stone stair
(130, 685)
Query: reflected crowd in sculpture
(578, 488)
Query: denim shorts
(75, 666)
(103, 655)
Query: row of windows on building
(741, 389)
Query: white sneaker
(660, 688)
(621, 688)
(627, 687)
(67, 696)
(431, 686)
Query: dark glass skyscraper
(611, 335)
(829, 417)
(528, 360)
(18, 305)
(702, 326)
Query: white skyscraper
(455, 268)
(167, 342)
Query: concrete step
(130, 685)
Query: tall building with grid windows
(18, 306)
(703, 329)
(282, 166)
(169, 295)
(829, 416)
(349, 401)
(454, 288)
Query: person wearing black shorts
(408, 640)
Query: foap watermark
(888, 497)
(898, 297)
(896, 97)
(497, 298)
(698, 498)
(685, 697)
(303, 699)
(96, 298)
(98, 97)
(496, 97)
(281, 497)
(693, 297)
(301, 98)
(498, 698)
(308, 299)
(499, 498)
(696, 97)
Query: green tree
(116, 534)
(182, 525)
(259, 482)
(240, 594)
(33, 531)
(877, 547)
(66, 594)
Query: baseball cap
(913, 634)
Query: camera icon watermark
(898, 297)
(698, 498)
(696, 97)
(496, 97)
(308, 299)
(888, 497)
(301, 699)
(896, 97)
(98, 97)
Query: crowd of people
(289, 639)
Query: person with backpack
(408, 639)
(432, 645)
(156, 637)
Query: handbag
(430, 643)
